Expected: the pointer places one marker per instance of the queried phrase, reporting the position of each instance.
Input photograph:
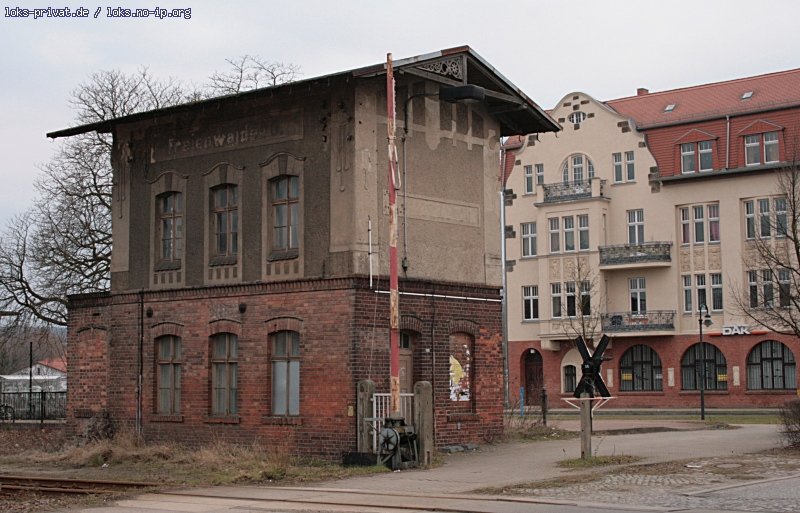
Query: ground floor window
(286, 373)
(224, 373)
(704, 357)
(640, 370)
(771, 366)
(570, 378)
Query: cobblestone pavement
(688, 484)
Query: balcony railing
(566, 191)
(621, 254)
(651, 320)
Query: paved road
(447, 488)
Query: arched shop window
(640, 370)
(771, 366)
(716, 368)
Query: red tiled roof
(512, 143)
(773, 90)
(58, 364)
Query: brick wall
(343, 327)
(670, 350)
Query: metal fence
(32, 406)
(381, 410)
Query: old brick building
(246, 229)
(642, 212)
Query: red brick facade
(343, 330)
(671, 350)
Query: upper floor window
(577, 117)
(697, 156)
(765, 217)
(285, 199)
(170, 215)
(555, 236)
(539, 173)
(617, 158)
(636, 226)
(699, 223)
(638, 295)
(583, 232)
(578, 167)
(528, 172)
(528, 239)
(629, 167)
(225, 208)
(760, 148)
(530, 302)
(286, 373)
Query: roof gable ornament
(450, 67)
(695, 135)
(759, 126)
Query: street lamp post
(703, 320)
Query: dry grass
(531, 429)
(127, 457)
(599, 461)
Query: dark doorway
(534, 377)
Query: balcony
(626, 322)
(571, 191)
(648, 254)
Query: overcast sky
(547, 48)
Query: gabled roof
(58, 364)
(516, 113)
(709, 101)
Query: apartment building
(249, 275)
(641, 220)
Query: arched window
(578, 167)
(170, 226)
(640, 370)
(695, 359)
(286, 373)
(169, 375)
(771, 366)
(570, 378)
(224, 373)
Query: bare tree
(770, 292)
(250, 72)
(583, 315)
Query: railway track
(15, 485)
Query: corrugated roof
(771, 91)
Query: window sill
(642, 392)
(707, 392)
(222, 260)
(282, 421)
(462, 417)
(778, 391)
(226, 419)
(166, 418)
(288, 254)
(530, 321)
(168, 265)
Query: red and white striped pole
(394, 307)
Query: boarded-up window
(461, 369)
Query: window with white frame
(636, 226)
(586, 298)
(686, 228)
(555, 298)
(583, 232)
(569, 233)
(571, 298)
(629, 166)
(765, 217)
(638, 295)
(699, 224)
(760, 148)
(555, 235)
(784, 288)
(617, 158)
(539, 173)
(687, 293)
(713, 222)
(578, 167)
(697, 156)
(702, 293)
(528, 239)
(530, 302)
(528, 172)
(761, 288)
(716, 292)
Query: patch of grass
(599, 461)
(127, 457)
